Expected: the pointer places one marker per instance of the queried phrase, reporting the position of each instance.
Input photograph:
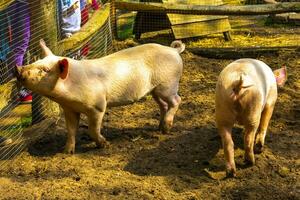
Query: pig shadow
(53, 141)
(183, 161)
(188, 154)
(48, 146)
(253, 190)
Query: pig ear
(63, 66)
(245, 81)
(281, 76)
(46, 50)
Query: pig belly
(128, 95)
(126, 99)
(128, 86)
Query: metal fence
(204, 34)
(23, 24)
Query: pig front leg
(228, 146)
(263, 126)
(72, 121)
(95, 122)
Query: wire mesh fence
(23, 24)
(68, 28)
(166, 20)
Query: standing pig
(246, 93)
(89, 86)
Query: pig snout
(26, 76)
(19, 73)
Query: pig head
(89, 86)
(246, 93)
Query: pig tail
(177, 44)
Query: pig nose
(18, 73)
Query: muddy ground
(142, 163)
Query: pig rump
(246, 92)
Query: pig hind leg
(251, 122)
(263, 126)
(94, 122)
(167, 95)
(163, 106)
(249, 137)
(228, 146)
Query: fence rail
(262, 9)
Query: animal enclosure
(141, 162)
(182, 26)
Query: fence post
(43, 25)
(113, 18)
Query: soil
(188, 163)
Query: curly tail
(244, 81)
(177, 44)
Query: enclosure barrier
(262, 9)
(98, 32)
(87, 31)
(206, 16)
(15, 119)
(160, 9)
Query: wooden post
(227, 36)
(253, 2)
(189, 9)
(43, 24)
(113, 18)
(235, 53)
(38, 112)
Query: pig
(89, 86)
(246, 92)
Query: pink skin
(168, 107)
(90, 86)
(246, 93)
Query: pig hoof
(103, 144)
(249, 162)
(230, 173)
(258, 148)
(165, 128)
(160, 126)
(68, 150)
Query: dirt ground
(143, 163)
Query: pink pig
(246, 93)
(90, 86)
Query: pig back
(134, 72)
